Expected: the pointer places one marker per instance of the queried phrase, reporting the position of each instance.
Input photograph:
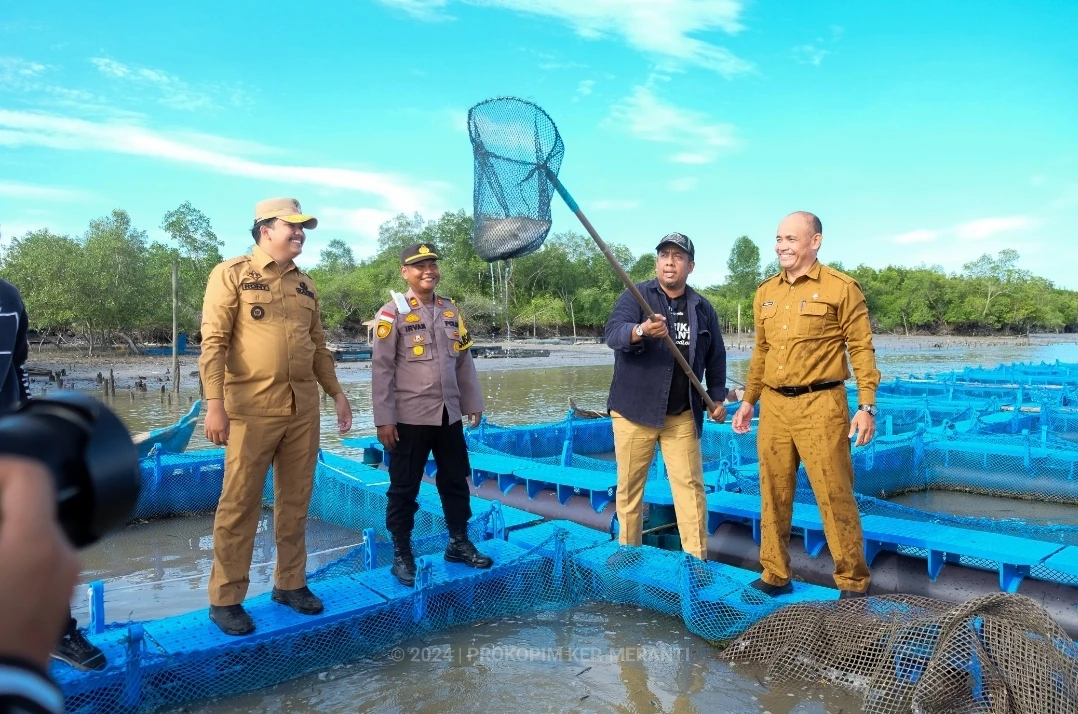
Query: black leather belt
(798, 391)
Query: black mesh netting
(997, 653)
(516, 148)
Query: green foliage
(113, 281)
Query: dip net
(998, 653)
(517, 149)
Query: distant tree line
(112, 285)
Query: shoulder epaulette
(839, 274)
(768, 279)
(236, 261)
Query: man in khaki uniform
(263, 357)
(423, 382)
(807, 316)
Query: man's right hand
(216, 424)
(387, 435)
(654, 327)
(743, 418)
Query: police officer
(423, 382)
(807, 316)
(263, 357)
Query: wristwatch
(639, 330)
(870, 408)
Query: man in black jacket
(74, 648)
(652, 399)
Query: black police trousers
(415, 442)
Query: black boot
(78, 652)
(403, 562)
(232, 619)
(461, 550)
(302, 600)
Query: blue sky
(920, 132)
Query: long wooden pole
(175, 327)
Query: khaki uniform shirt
(262, 338)
(418, 366)
(803, 330)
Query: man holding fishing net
(652, 399)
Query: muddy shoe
(232, 619)
(759, 591)
(302, 600)
(80, 653)
(847, 594)
(461, 550)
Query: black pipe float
(894, 573)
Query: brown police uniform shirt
(418, 365)
(803, 330)
(262, 338)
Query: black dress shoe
(232, 619)
(772, 590)
(79, 652)
(302, 600)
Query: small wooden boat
(172, 439)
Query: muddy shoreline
(76, 370)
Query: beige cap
(287, 209)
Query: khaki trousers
(814, 429)
(634, 448)
(290, 443)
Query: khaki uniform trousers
(290, 443)
(814, 429)
(634, 448)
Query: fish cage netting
(183, 659)
(514, 144)
(994, 654)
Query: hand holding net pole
(518, 152)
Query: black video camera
(90, 453)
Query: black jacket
(642, 371)
(14, 349)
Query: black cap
(681, 241)
(418, 252)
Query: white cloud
(663, 29)
(33, 129)
(647, 117)
(29, 191)
(810, 54)
(683, 184)
(364, 221)
(426, 10)
(986, 227)
(173, 92)
(15, 69)
(608, 204)
(918, 236)
(585, 87)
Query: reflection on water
(595, 658)
(162, 568)
(673, 671)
